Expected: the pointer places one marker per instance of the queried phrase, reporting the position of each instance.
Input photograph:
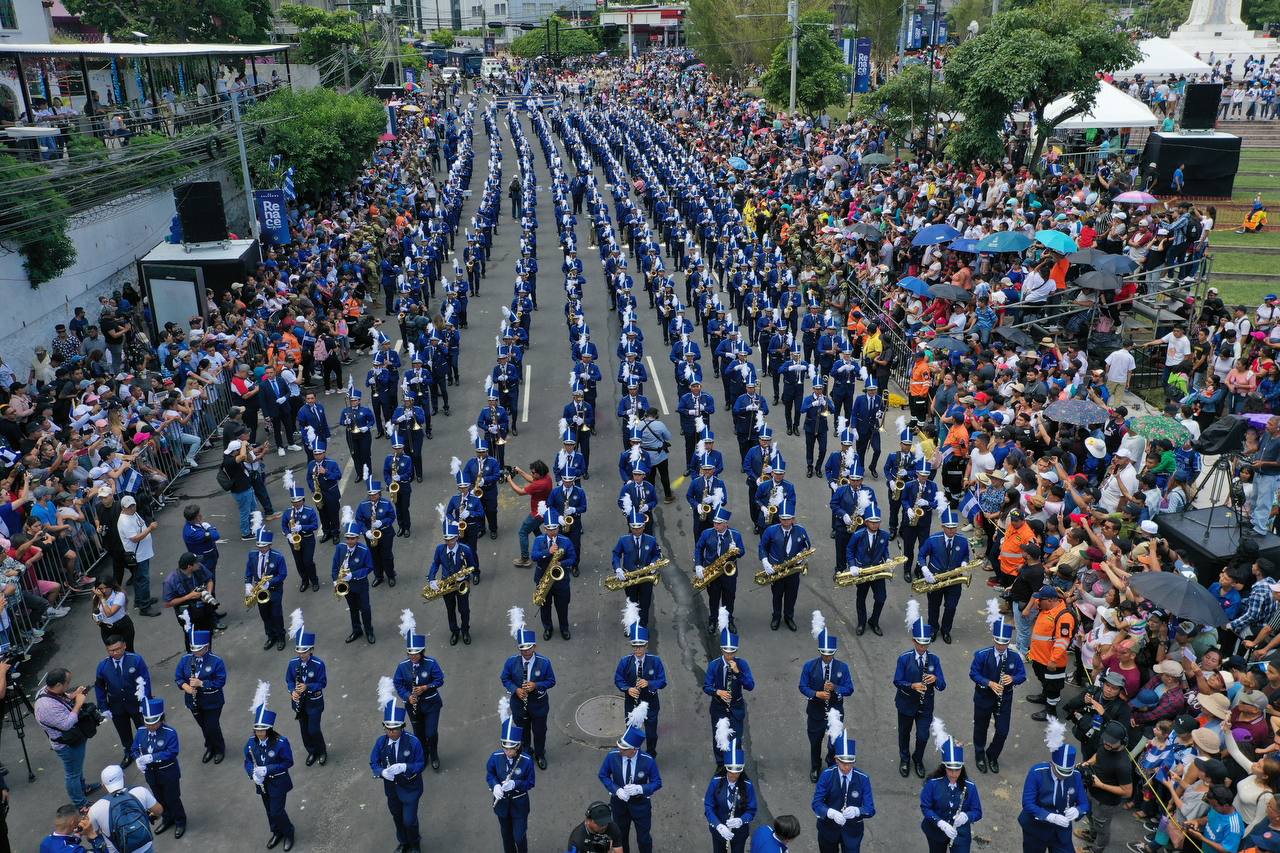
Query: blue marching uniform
(357, 562)
(988, 665)
(778, 545)
(513, 808)
(914, 492)
(723, 801)
(868, 549)
(313, 675)
(1045, 793)
(650, 668)
(304, 553)
(444, 564)
(324, 476)
(721, 677)
(914, 708)
(942, 553)
(257, 566)
(207, 701)
(838, 792)
(404, 790)
(813, 677)
(384, 512)
(940, 800)
(161, 770)
(634, 552)
(275, 755)
(530, 714)
(115, 687)
(202, 540)
(424, 710)
(618, 771)
(723, 590)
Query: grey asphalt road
(341, 806)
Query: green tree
(819, 67)
(322, 34)
(177, 21)
(880, 20)
(443, 38)
(904, 102)
(33, 222)
(1256, 13)
(325, 136)
(572, 41)
(1032, 55)
(1161, 16)
(964, 12)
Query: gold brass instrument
(553, 574)
(855, 524)
(644, 574)
(458, 583)
(843, 481)
(478, 491)
(374, 535)
(704, 509)
(795, 565)
(462, 527)
(393, 489)
(762, 479)
(342, 585)
(259, 594)
(942, 580)
(771, 510)
(295, 540)
(568, 522)
(317, 497)
(914, 514)
(882, 571)
(723, 565)
(786, 312)
(896, 485)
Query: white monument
(1215, 28)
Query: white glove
(947, 829)
(733, 822)
(106, 715)
(259, 774)
(399, 768)
(928, 575)
(498, 793)
(623, 793)
(619, 574)
(281, 399)
(509, 785)
(636, 790)
(922, 503)
(295, 527)
(725, 832)
(376, 524)
(493, 427)
(847, 518)
(248, 588)
(579, 421)
(389, 773)
(206, 525)
(851, 812)
(435, 585)
(698, 571)
(143, 760)
(1057, 819)
(1071, 813)
(960, 820)
(836, 816)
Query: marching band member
(582, 415)
(267, 564)
(358, 420)
(868, 547)
(1053, 796)
(706, 492)
(631, 777)
(824, 682)
(494, 422)
(772, 493)
(640, 675)
(546, 547)
(465, 508)
(398, 758)
(842, 800)
(417, 681)
(201, 675)
(638, 491)
(352, 560)
(451, 558)
(378, 513)
(917, 677)
(267, 759)
(758, 461)
(324, 476)
(949, 799)
(303, 521)
(510, 774)
(635, 550)
(306, 678)
(399, 467)
(898, 467)
(727, 676)
(919, 495)
(570, 501)
(944, 552)
(411, 422)
(483, 472)
(155, 749)
(201, 538)
(848, 501)
(995, 671)
(780, 543)
(694, 407)
(711, 545)
(793, 374)
(730, 801)
(528, 676)
(568, 458)
(868, 417)
(817, 410)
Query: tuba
(721, 566)
(644, 574)
(883, 571)
(959, 575)
(794, 565)
(259, 594)
(554, 574)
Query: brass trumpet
(959, 575)
(644, 574)
(457, 583)
(883, 571)
(259, 594)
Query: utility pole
(244, 168)
(793, 16)
(904, 33)
(631, 45)
(346, 69)
(928, 98)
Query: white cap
(112, 777)
(127, 500)
(1123, 453)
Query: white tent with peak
(1111, 109)
(1162, 57)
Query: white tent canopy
(1111, 109)
(1160, 58)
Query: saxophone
(457, 583)
(881, 571)
(342, 584)
(961, 574)
(553, 574)
(259, 594)
(791, 566)
(644, 574)
(722, 565)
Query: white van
(449, 74)
(490, 67)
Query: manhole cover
(600, 716)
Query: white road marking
(524, 407)
(653, 375)
(346, 475)
(399, 343)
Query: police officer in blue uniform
(267, 759)
(398, 469)
(417, 681)
(781, 542)
(120, 685)
(631, 777)
(730, 803)
(155, 750)
(201, 538)
(824, 682)
(358, 420)
(943, 552)
(635, 550)
(397, 758)
(352, 562)
(201, 675)
(917, 676)
(510, 775)
(546, 546)
(727, 676)
(528, 676)
(919, 495)
(302, 521)
(869, 546)
(639, 676)
(324, 476)
(842, 800)
(378, 513)
(995, 671)
(450, 558)
(305, 678)
(1053, 797)
(950, 804)
(268, 563)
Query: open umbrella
(1015, 336)
(931, 235)
(915, 285)
(1004, 241)
(1155, 427)
(387, 137)
(951, 292)
(964, 244)
(739, 164)
(1099, 280)
(1136, 197)
(949, 344)
(835, 161)
(1056, 241)
(1116, 264)
(411, 108)
(866, 231)
(876, 159)
(1088, 257)
(1183, 597)
(1077, 412)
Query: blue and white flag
(528, 84)
(274, 163)
(969, 505)
(287, 185)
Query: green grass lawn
(1267, 239)
(1250, 156)
(1244, 262)
(1245, 293)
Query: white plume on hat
(699, 424)
(938, 730)
(311, 439)
(295, 622)
(638, 715)
(835, 725)
(940, 501)
(440, 511)
(366, 475)
(287, 480)
(515, 621)
(722, 618)
(993, 611)
(913, 612)
(818, 624)
(717, 498)
(408, 622)
(255, 522)
(473, 433)
(842, 422)
(185, 618)
(260, 695)
(542, 509)
(900, 424)
(141, 692)
(724, 734)
(1055, 734)
(572, 378)
(627, 505)
(347, 516)
(455, 465)
(630, 614)
(386, 691)
(864, 502)
(504, 708)
(636, 453)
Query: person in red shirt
(538, 488)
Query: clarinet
(1000, 672)
(928, 670)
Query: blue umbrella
(1116, 264)
(915, 285)
(1056, 241)
(739, 164)
(964, 244)
(1004, 241)
(934, 234)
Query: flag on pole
(289, 192)
(969, 505)
(274, 163)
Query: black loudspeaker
(199, 206)
(1200, 106)
(1223, 436)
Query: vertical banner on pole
(270, 207)
(942, 31)
(917, 31)
(116, 88)
(862, 66)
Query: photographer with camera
(596, 834)
(538, 489)
(1096, 708)
(111, 611)
(1108, 777)
(69, 722)
(189, 590)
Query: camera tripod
(1221, 483)
(14, 704)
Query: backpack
(128, 823)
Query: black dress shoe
(288, 844)
(280, 644)
(377, 582)
(315, 586)
(353, 636)
(809, 473)
(733, 626)
(564, 632)
(875, 629)
(303, 587)
(475, 576)
(981, 764)
(774, 623)
(1042, 716)
(711, 627)
(454, 636)
(546, 633)
(162, 827)
(268, 644)
(466, 638)
(391, 581)
(813, 774)
(993, 764)
(435, 763)
(218, 757)
(904, 768)
(542, 762)
(311, 759)
(207, 757)
(371, 639)
(791, 623)
(126, 760)
(493, 534)
(920, 769)
(322, 759)
(946, 637)
(403, 534)
(860, 630)
(179, 830)
(1036, 699)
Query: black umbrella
(951, 292)
(1086, 256)
(1077, 412)
(875, 159)
(1118, 264)
(1098, 280)
(1015, 336)
(1181, 596)
(866, 231)
(948, 344)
